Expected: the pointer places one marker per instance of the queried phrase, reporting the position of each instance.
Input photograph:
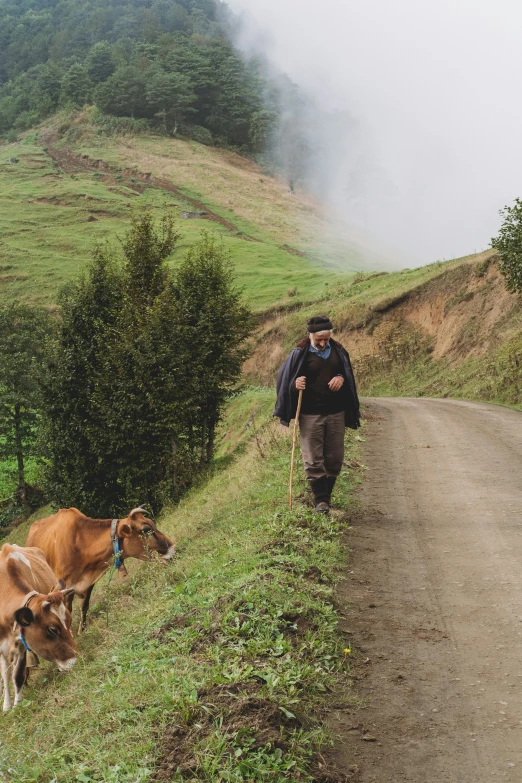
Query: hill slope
(56, 204)
(448, 329)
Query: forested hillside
(162, 64)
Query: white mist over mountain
(428, 143)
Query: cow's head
(141, 537)
(46, 627)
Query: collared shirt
(324, 353)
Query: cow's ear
(24, 616)
(59, 586)
(124, 530)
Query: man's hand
(336, 383)
(301, 383)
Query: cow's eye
(147, 531)
(53, 632)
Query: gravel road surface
(433, 597)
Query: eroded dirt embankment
(432, 597)
(463, 313)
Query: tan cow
(33, 617)
(80, 549)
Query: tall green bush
(72, 421)
(212, 325)
(144, 361)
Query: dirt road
(433, 597)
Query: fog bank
(426, 148)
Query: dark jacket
(287, 394)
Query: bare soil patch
(240, 710)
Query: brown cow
(80, 549)
(33, 617)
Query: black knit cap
(319, 323)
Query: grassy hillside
(212, 669)
(53, 211)
(51, 220)
(448, 329)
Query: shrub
(200, 134)
(508, 243)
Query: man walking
(321, 368)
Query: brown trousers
(322, 444)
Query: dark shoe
(322, 508)
(320, 489)
(330, 481)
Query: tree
(171, 98)
(508, 244)
(47, 89)
(89, 309)
(23, 331)
(100, 62)
(212, 324)
(123, 94)
(76, 85)
(108, 408)
(263, 125)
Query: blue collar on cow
(22, 639)
(116, 545)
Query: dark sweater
(318, 399)
(292, 368)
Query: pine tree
(72, 422)
(76, 85)
(211, 329)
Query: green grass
(496, 378)
(50, 221)
(9, 475)
(219, 662)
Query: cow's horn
(138, 510)
(46, 603)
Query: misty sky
(434, 89)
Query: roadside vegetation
(220, 666)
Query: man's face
(320, 340)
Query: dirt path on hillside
(138, 181)
(433, 597)
(134, 180)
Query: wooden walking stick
(294, 441)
